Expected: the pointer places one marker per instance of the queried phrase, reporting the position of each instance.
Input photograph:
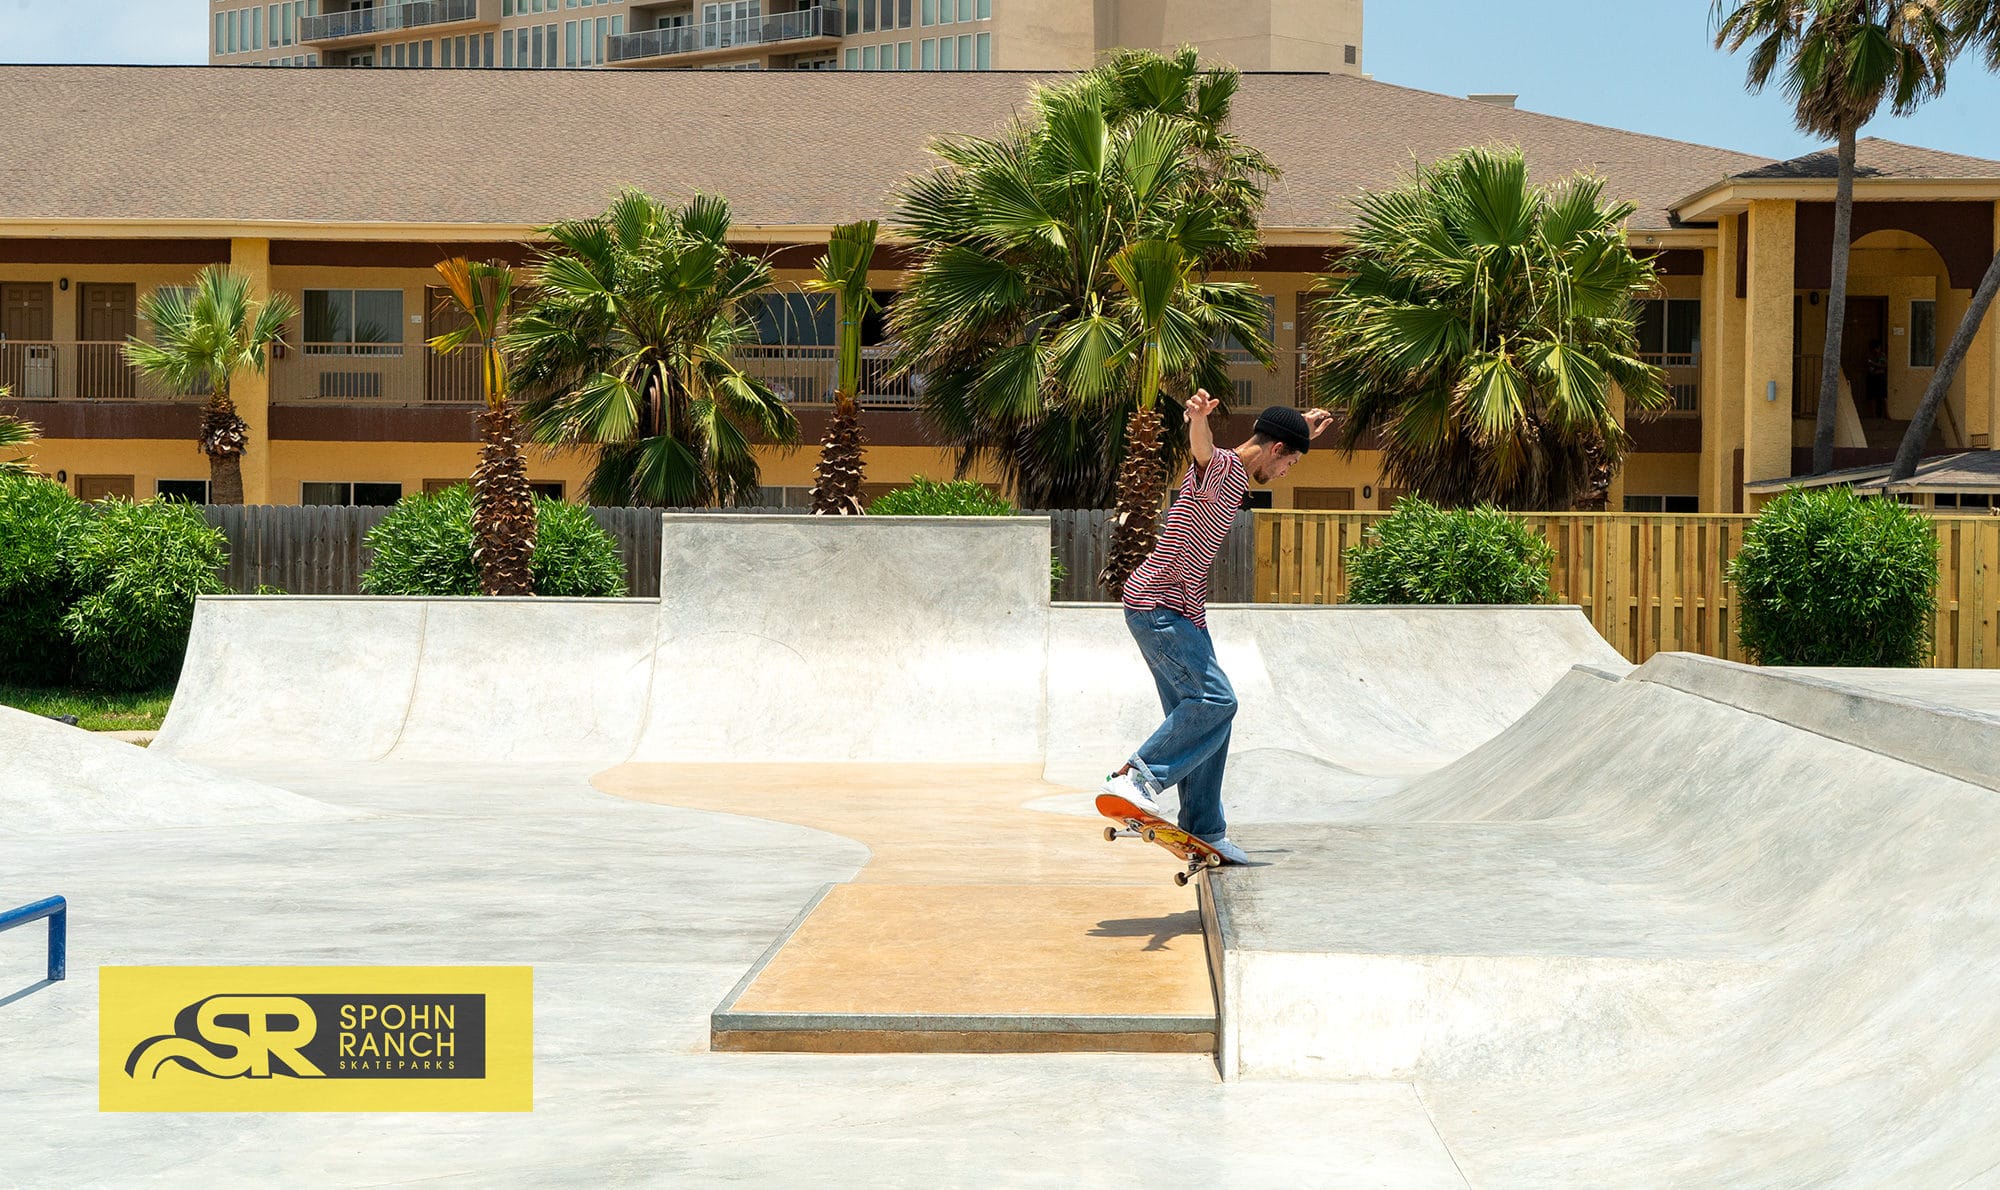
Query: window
(930, 12)
(868, 57)
(930, 53)
(903, 55)
(853, 20)
(506, 8)
(794, 319)
(867, 8)
(194, 491)
(256, 28)
(854, 59)
(1963, 500)
(888, 15)
(507, 51)
(535, 56)
(985, 10)
(360, 495)
(966, 9)
(1923, 334)
(569, 41)
(902, 14)
(552, 32)
(221, 32)
(985, 43)
(550, 489)
(1662, 504)
(428, 52)
(1671, 331)
(353, 322)
(965, 52)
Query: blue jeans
(1191, 748)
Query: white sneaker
(1128, 786)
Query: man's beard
(1259, 474)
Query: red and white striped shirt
(1175, 574)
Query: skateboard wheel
(1181, 878)
(1151, 835)
(1214, 861)
(1110, 834)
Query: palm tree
(503, 506)
(1840, 61)
(843, 272)
(202, 337)
(626, 348)
(1062, 277)
(1977, 24)
(1479, 332)
(14, 432)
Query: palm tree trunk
(837, 479)
(1947, 369)
(503, 507)
(1139, 481)
(225, 479)
(224, 437)
(1836, 305)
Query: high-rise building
(1307, 35)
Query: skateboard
(1137, 824)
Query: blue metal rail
(57, 911)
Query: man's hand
(1201, 439)
(1318, 420)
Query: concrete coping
(1951, 740)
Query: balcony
(375, 374)
(334, 30)
(718, 41)
(1683, 379)
(76, 371)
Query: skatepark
(803, 859)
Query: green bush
(927, 497)
(1826, 577)
(424, 547)
(965, 497)
(573, 553)
(1425, 554)
(139, 568)
(38, 520)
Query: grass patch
(138, 710)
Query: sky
(1643, 65)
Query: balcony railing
(805, 375)
(708, 36)
(375, 374)
(363, 22)
(73, 371)
(1683, 378)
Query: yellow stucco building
(343, 188)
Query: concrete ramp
(1338, 704)
(879, 639)
(1703, 925)
(58, 779)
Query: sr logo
(233, 1036)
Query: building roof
(1878, 158)
(1973, 471)
(239, 145)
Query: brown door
(1325, 499)
(96, 487)
(1864, 353)
(453, 377)
(27, 320)
(106, 315)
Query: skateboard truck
(1133, 823)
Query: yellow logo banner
(315, 1039)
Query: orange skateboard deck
(1137, 824)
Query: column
(1767, 343)
(252, 390)
(1723, 375)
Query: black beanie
(1282, 423)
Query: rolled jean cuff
(1145, 773)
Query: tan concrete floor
(970, 904)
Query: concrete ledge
(1951, 740)
(876, 1041)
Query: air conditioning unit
(38, 373)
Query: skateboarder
(1164, 605)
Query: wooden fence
(1649, 584)
(305, 550)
